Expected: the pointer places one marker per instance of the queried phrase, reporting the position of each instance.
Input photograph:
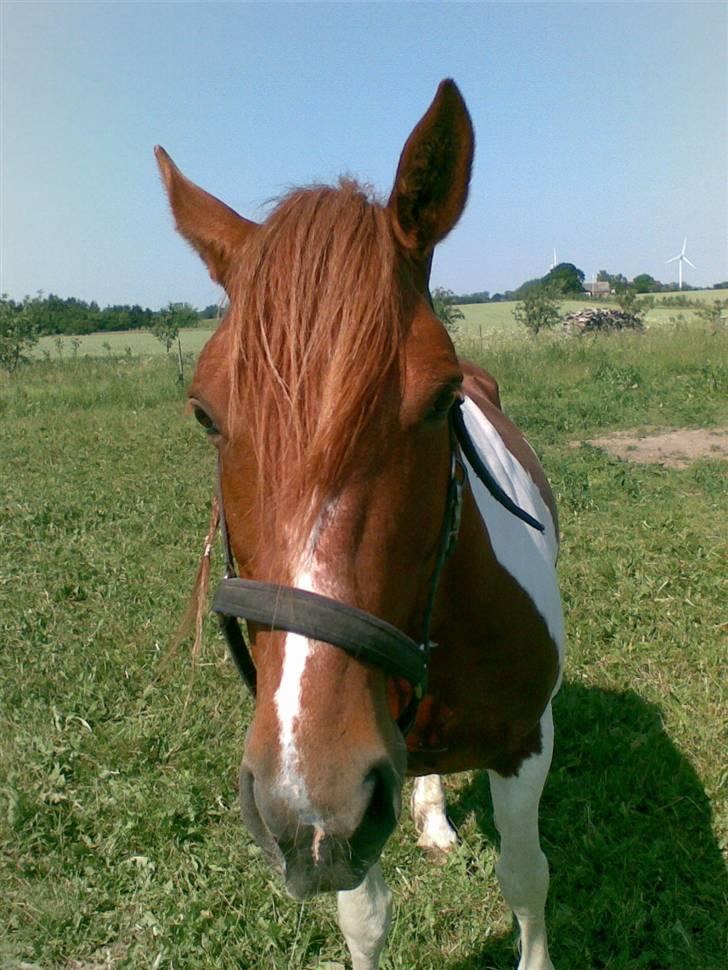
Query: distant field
(498, 317)
(702, 296)
(122, 342)
(489, 318)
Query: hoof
(436, 855)
(438, 842)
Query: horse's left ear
(214, 229)
(432, 179)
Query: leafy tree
(644, 283)
(564, 278)
(524, 288)
(19, 330)
(617, 281)
(169, 321)
(630, 305)
(444, 306)
(167, 325)
(538, 310)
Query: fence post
(180, 363)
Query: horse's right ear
(431, 184)
(214, 229)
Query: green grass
(698, 296)
(119, 828)
(497, 318)
(122, 343)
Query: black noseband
(359, 633)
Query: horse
(389, 536)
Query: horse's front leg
(365, 914)
(522, 869)
(436, 836)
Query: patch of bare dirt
(675, 449)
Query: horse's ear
(433, 175)
(214, 229)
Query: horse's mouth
(334, 871)
(315, 862)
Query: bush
(169, 321)
(444, 306)
(715, 313)
(538, 310)
(19, 331)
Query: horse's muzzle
(330, 857)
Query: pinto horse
(350, 441)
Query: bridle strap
(229, 624)
(449, 533)
(227, 549)
(360, 634)
(483, 472)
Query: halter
(360, 634)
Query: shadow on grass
(637, 879)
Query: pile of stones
(602, 319)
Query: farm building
(597, 288)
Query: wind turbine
(681, 258)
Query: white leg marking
(365, 915)
(522, 869)
(428, 812)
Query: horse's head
(326, 391)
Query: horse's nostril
(383, 806)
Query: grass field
(485, 318)
(120, 839)
(498, 317)
(127, 342)
(700, 296)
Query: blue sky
(602, 131)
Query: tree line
(48, 314)
(24, 322)
(566, 280)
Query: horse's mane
(318, 317)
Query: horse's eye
(443, 402)
(205, 420)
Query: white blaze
(296, 652)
